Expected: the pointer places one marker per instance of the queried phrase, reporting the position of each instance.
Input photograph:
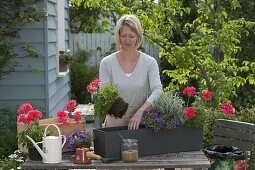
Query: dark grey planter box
(107, 141)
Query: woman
(135, 73)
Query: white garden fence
(100, 44)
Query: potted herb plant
(109, 102)
(65, 58)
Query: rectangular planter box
(107, 142)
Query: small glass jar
(129, 150)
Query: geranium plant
(196, 112)
(63, 116)
(29, 117)
(65, 57)
(93, 88)
(170, 111)
(79, 139)
(107, 100)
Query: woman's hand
(134, 122)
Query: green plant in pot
(109, 102)
(28, 124)
(65, 58)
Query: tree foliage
(200, 40)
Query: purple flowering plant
(167, 112)
(79, 139)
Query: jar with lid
(129, 150)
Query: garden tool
(51, 151)
(98, 157)
(84, 156)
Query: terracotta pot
(63, 67)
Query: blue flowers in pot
(79, 139)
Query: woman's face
(127, 38)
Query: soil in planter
(119, 108)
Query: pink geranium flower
(227, 108)
(93, 86)
(206, 95)
(190, 91)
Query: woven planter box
(107, 141)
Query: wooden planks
(234, 133)
(194, 159)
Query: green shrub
(8, 132)
(81, 76)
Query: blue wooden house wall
(47, 88)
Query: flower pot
(33, 154)
(63, 67)
(107, 141)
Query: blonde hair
(133, 23)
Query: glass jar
(129, 150)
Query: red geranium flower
(227, 108)
(33, 114)
(62, 117)
(206, 95)
(77, 116)
(71, 105)
(61, 52)
(190, 112)
(22, 118)
(190, 91)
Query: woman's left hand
(134, 122)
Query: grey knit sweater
(143, 85)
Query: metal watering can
(52, 146)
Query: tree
(199, 39)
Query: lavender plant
(166, 114)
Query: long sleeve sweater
(143, 85)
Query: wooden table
(194, 159)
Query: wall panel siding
(60, 96)
(58, 84)
(23, 79)
(22, 92)
(39, 46)
(52, 62)
(29, 64)
(59, 87)
(52, 35)
(31, 35)
(14, 104)
(52, 22)
(51, 8)
(52, 48)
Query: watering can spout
(37, 147)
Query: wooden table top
(193, 159)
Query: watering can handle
(63, 136)
(59, 134)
